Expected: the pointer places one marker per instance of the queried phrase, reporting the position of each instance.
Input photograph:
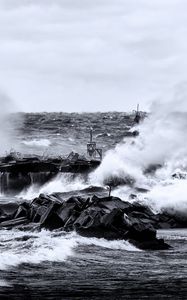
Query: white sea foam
(116, 245)
(42, 246)
(162, 140)
(168, 196)
(47, 246)
(37, 143)
(63, 182)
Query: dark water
(61, 266)
(97, 272)
(67, 132)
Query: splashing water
(63, 182)
(37, 143)
(162, 141)
(25, 247)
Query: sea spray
(162, 141)
(7, 130)
(63, 182)
(37, 143)
(19, 247)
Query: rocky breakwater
(18, 173)
(93, 216)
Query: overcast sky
(91, 55)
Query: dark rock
(141, 190)
(22, 211)
(167, 220)
(43, 210)
(106, 217)
(137, 207)
(18, 172)
(9, 208)
(156, 244)
(152, 168)
(179, 175)
(115, 181)
(141, 231)
(14, 222)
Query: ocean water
(57, 265)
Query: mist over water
(162, 141)
(71, 262)
(7, 131)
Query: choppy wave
(37, 143)
(19, 247)
(63, 182)
(161, 143)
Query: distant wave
(37, 143)
(106, 134)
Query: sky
(91, 55)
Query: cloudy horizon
(83, 55)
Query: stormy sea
(58, 265)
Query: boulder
(110, 203)
(22, 211)
(106, 217)
(43, 211)
(14, 222)
(115, 181)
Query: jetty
(18, 171)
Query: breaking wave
(19, 247)
(63, 182)
(37, 143)
(150, 160)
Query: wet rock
(43, 211)
(18, 173)
(22, 211)
(137, 207)
(179, 175)
(152, 168)
(156, 244)
(115, 181)
(14, 222)
(106, 217)
(167, 220)
(108, 204)
(141, 190)
(9, 208)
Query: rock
(22, 211)
(115, 181)
(106, 217)
(19, 172)
(166, 220)
(137, 207)
(110, 203)
(141, 231)
(43, 211)
(14, 222)
(152, 168)
(156, 244)
(179, 175)
(141, 190)
(9, 208)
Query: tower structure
(92, 151)
(137, 115)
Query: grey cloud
(77, 55)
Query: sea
(57, 265)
